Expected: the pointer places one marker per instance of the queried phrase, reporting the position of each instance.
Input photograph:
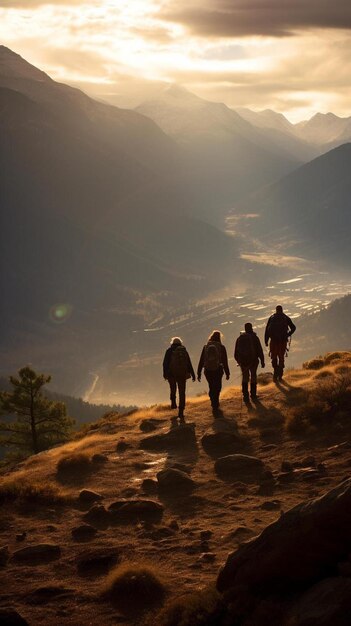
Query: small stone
(174, 525)
(87, 496)
(122, 445)
(173, 482)
(98, 516)
(4, 555)
(148, 425)
(97, 562)
(270, 505)
(309, 461)
(38, 554)
(205, 535)
(99, 459)
(85, 532)
(287, 466)
(207, 557)
(149, 486)
(21, 536)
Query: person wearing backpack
(177, 368)
(278, 330)
(214, 361)
(247, 353)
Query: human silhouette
(177, 368)
(278, 330)
(247, 353)
(214, 361)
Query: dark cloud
(242, 18)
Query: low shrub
(134, 588)
(75, 466)
(314, 364)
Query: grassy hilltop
(167, 553)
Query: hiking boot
(276, 374)
(245, 390)
(181, 419)
(173, 405)
(280, 373)
(174, 422)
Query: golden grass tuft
(135, 587)
(33, 492)
(200, 608)
(76, 466)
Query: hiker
(278, 330)
(214, 360)
(177, 368)
(247, 353)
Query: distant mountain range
(308, 212)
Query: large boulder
(38, 554)
(301, 547)
(242, 467)
(10, 617)
(221, 443)
(328, 603)
(181, 437)
(173, 481)
(130, 511)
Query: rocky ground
(133, 490)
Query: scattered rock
(309, 461)
(207, 557)
(129, 492)
(149, 486)
(161, 533)
(241, 532)
(149, 425)
(280, 546)
(135, 510)
(4, 555)
(38, 554)
(221, 443)
(43, 595)
(205, 535)
(21, 536)
(10, 617)
(181, 437)
(99, 459)
(286, 466)
(174, 525)
(181, 467)
(87, 497)
(97, 562)
(98, 516)
(122, 445)
(239, 466)
(85, 532)
(174, 482)
(270, 505)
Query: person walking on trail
(214, 361)
(177, 368)
(278, 330)
(247, 353)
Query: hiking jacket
(240, 354)
(223, 355)
(167, 361)
(270, 325)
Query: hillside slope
(190, 537)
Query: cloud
(243, 18)
(33, 4)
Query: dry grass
(38, 493)
(197, 609)
(75, 466)
(135, 587)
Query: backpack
(278, 327)
(246, 349)
(179, 363)
(212, 357)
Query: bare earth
(233, 511)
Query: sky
(293, 56)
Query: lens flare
(59, 313)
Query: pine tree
(40, 423)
